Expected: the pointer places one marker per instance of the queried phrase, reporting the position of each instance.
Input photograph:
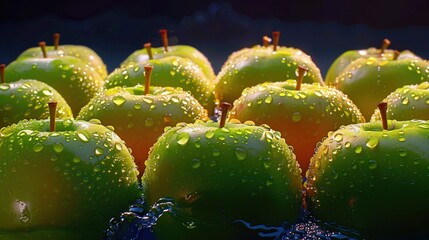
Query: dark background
(114, 29)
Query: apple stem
(148, 47)
(276, 37)
(147, 73)
(396, 54)
(383, 112)
(224, 106)
(301, 73)
(266, 41)
(52, 113)
(43, 47)
(2, 69)
(56, 40)
(384, 45)
(164, 39)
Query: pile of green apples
(264, 138)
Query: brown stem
(396, 54)
(266, 41)
(301, 72)
(164, 39)
(2, 69)
(52, 113)
(384, 45)
(148, 47)
(56, 40)
(42, 45)
(276, 37)
(224, 106)
(147, 73)
(383, 112)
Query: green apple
(302, 113)
(139, 114)
(373, 179)
(75, 80)
(62, 179)
(368, 81)
(262, 64)
(349, 56)
(184, 51)
(84, 53)
(406, 103)
(168, 72)
(219, 174)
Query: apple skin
(341, 62)
(368, 81)
(262, 64)
(140, 119)
(28, 99)
(184, 51)
(406, 103)
(168, 72)
(303, 117)
(84, 53)
(66, 183)
(377, 180)
(76, 81)
(220, 175)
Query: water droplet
(240, 153)
(338, 137)
(148, 122)
(183, 138)
(372, 164)
(76, 159)
(296, 117)
(358, 149)
(47, 92)
(196, 163)
(216, 152)
(424, 125)
(269, 99)
(98, 151)
(118, 146)
(38, 147)
(209, 134)
(405, 101)
(401, 139)
(402, 152)
(372, 142)
(82, 136)
(118, 100)
(58, 147)
(4, 87)
(347, 144)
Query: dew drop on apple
(296, 117)
(118, 100)
(269, 99)
(423, 125)
(372, 164)
(54, 158)
(183, 138)
(4, 87)
(358, 149)
(209, 134)
(82, 137)
(196, 163)
(38, 147)
(372, 142)
(240, 153)
(7, 107)
(216, 152)
(58, 147)
(338, 137)
(402, 152)
(148, 122)
(76, 159)
(401, 139)
(98, 151)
